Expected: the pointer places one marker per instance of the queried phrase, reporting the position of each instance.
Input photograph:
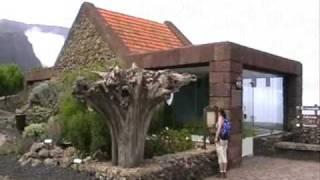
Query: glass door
(248, 102)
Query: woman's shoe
(224, 175)
(219, 175)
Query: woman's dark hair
(223, 113)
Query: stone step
(297, 146)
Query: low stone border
(193, 164)
(297, 146)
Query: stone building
(100, 36)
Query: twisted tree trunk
(127, 99)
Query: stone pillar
(223, 93)
(293, 98)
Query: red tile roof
(140, 35)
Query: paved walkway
(267, 168)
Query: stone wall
(284, 145)
(309, 119)
(265, 145)
(193, 164)
(83, 47)
(310, 135)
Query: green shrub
(168, 141)
(83, 128)
(11, 79)
(66, 79)
(54, 129)
(195, 126)
(100, 136)
(35, 131)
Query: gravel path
(2, 139)
(11, 170)
(272, 168)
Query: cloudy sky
(289, 28)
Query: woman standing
(221, 139)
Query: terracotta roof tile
(140, 35)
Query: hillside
(15, 46)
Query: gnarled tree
(127, 99)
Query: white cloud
(45, 45)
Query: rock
(87, 159)
(44, 153)
(25, 162)
(36, 147)
(69, 152)
(75, 166)
(35, 162)
(4, 177)
(57, 152)
(28, 154)
(50, 162)
(22, 159)
(66, 161)
(34, 155)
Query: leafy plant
(168, 141)
(11, 79)
(195, 126)
(35, 131)
(83, 128)
(66, 79)
(54, 129)
(100, 136)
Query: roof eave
(178, 33)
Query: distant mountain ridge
(14, 26)
(15, 46)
